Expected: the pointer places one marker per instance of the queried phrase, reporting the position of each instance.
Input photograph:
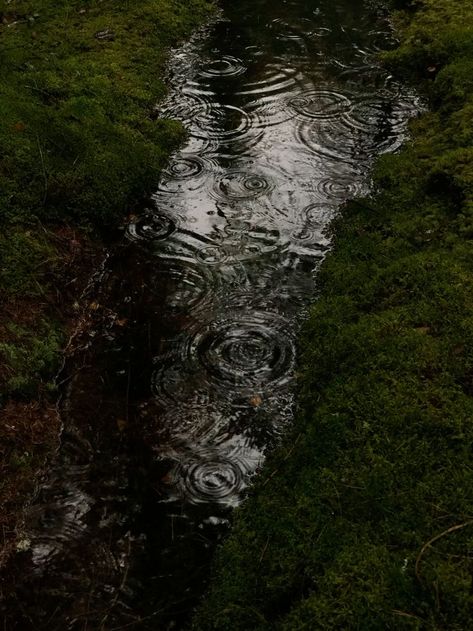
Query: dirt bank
(80, 148)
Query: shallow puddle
(185, 378)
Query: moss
(79, 83)
(336, 533)
(22, 254)
(79, 145)
(30, 356)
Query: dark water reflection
(186, 381)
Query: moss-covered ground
(364, 518)
(79, 143)
(80, 146)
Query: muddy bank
(80, 148)
(33, 327)
(363, 519)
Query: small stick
(433, 540)
(404, 614)
(263, 552)
(45, 176)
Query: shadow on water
(173, 395)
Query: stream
(182, 376)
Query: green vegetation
(79, 146)
(364, 518)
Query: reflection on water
(193, 359)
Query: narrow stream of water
(185, 378)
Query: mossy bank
(364, 518)
(80, 147)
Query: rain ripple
(355, 134)
(151, 226)
(238, 185)
(223, 68)
(321, 104)
(274, 79)
(246, 351)
(211, 477)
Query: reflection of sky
(310, 135)
(285, 117)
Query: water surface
(185, 378)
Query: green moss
(79, 144)
(30, 336)
(31, 356)
(79, 83)
(333, 531)
(22, 255)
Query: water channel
(183, 376)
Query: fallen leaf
(423, 329)
(256, 401)
(121, 424)
(23, 544)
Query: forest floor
(363, 519)
(80, 148)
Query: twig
(138, 620)
(404, 614)
(433, 540)
(45, 176)
(263, 552)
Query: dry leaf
(423, 329)
(121, 424)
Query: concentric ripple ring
(152, 226)
(321, 104)
(238, 185)
(246, 351)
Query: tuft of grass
(368, 522)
